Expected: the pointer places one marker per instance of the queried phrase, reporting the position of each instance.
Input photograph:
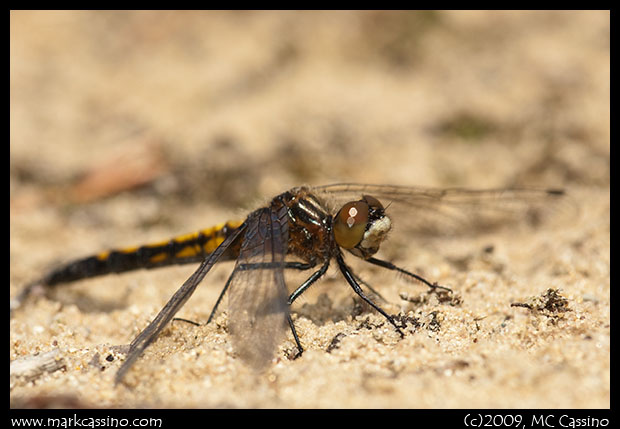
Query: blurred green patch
(396, 35)
(466, 126)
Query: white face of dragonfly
(376, 233)
(361, 226)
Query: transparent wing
(257, 297)
(453, 210)
(150, 333)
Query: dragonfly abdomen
(183, 249)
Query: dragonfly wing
(150, 333)
(454, 210)
(257, 298)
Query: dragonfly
(305, 229)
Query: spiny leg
(391, 266)
(305, 285)
(300, 349)
(350, 277)
(369, 287)
(296, 293)
(181, 319)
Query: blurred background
(193, 106)
(133, 126)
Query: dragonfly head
(361, 226)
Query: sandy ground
(130, 127)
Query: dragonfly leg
(391, 266)
(300, 349)
(350, 277)
(305, 285)
(287, 265)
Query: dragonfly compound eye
(373, 203)
(350, 224)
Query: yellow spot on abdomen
(212, 244)
(160, 257)
(103, 256)
(187, 252)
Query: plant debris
(551, 303)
